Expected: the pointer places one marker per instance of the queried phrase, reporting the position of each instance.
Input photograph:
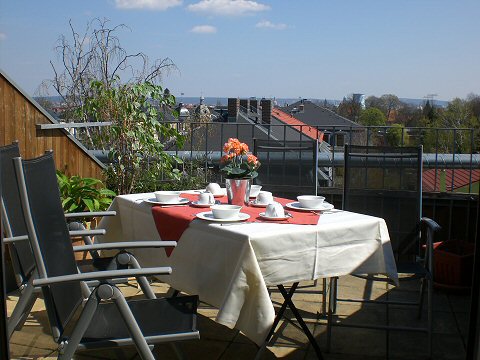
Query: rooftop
(451, 314)
(316, 115)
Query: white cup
(206, 198)
(275, 210)
(214, 188)
(264, 198)
(167, 196)
(254, 190)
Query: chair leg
(141, 280)
(24, 306)
(423, 286)
(81, 326)
(430, 316)
(133, 328)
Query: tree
(387, 103)
(473, 101)
(429, 111)
(391, 103)
(349, 108)
(136, 140)
(97, 55)
(409, 115)
(396, 135)
(372, 117)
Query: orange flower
(225, 158)
(252, 159)
(244, 148)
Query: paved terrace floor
(218, 342)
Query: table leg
(288, 302)
(291, 305)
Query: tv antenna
(430, 97)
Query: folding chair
(21, 252)
(107, 319)
(387, 182)
(287, 165)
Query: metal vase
(238, 191)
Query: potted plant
(239, 167)
(80, 194)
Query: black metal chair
(106, 319)
(287, 162)
(387, 182)
(20, 250)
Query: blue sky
(265, 48)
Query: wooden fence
(19, 115)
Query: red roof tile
(461, 178)
(288, 119)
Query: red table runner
(172, 221)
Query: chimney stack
(266, 105)
(233, 104)
(253, 105)
(244, 103)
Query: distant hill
(280, 101)
(421, 102)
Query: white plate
(197, 204)
(209, 216)
(154, 201)
(264, 216)
(296, 206)
(254, 204)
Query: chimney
(253, 105)
(232, 109)
(244, 104)
(266, 111)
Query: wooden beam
(72, 125)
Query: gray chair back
(288, 166)
(49, 236)
(13, 220)
(387, 182)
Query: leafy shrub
(83, 194)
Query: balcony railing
(451, 162)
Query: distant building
(333, 126)
(359, 99)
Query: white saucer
(254, 204)
(154, 201)
(296, 206)
(263, 216)
(209, 216)
(197, 204)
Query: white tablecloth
(230, 266)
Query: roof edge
(50, 118)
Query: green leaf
(89, 204)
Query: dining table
(231, 265)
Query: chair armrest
(126, 245)
(14, 239)
(90, 214)
(431, 224)
(99, 275)
(87, 232)
(71, 233)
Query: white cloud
(3, 36)
(204, 29)
(269, 25)
(228, 7)
(147, 4)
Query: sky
(267, 48)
